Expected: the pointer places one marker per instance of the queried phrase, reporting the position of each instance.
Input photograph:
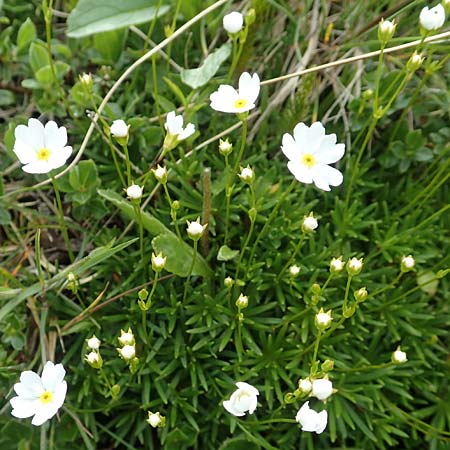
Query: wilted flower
(242, 400)
(432, 18)
(158, 262)
(233, 22)
(195, 229)
(156, 420)
(227, 99)
(126, 337)
(41, 149)
(134, 192)
(119, 129)
(309, 223)
(311, 420)
(93, 343)
(40, 396)
(322, 388)
(175, 131)
(309, 152)
(399, 357)
(336, 265)
(294, 270)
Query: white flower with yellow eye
(41, 149)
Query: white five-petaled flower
(227, 99)
(311, 420)
(40, 396)
(310, 151)
(41, 149)
(432, 18)
(242, 400)
(233, 22)
(322, 388)
(174, 127)
(119, 129)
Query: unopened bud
(160, 174)
(156, 420)
(336, 265)
(294, 271)
(323, 319)
(247, 175)
(225, 147)
(94, 360)
(126, 337)
(309, 223)
(228, 282)
(414, 62)
(407, 264)
(195, 229)
(361, 294)
(134, 192)
(233, 22)
(354, 266)
(93, 343)
(158, 262)
(242, 301)
(327, 365)
(399, 357)
(305, 385)
(386, 30)
(127, 352)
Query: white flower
(386, 30)
(354, 266)
(247, 174)
(399, 357)
(233, 22)
(227, 99)
(119, 129)
(127, 352)
(305, 385)
(93, 343)
(432, 19)
(311, 420)
(309, 223)
(126, 337)
(323, 319)
(225, 147)
(158, 262)
(294, 270)
(309, 152)
(322, 388)
(160, 174)
(408, 263)
(195, 229)
(336, 265)
(174, 126)
(242, 400)
(40, 396)
(156, 420)
(41, 149)
(134, 192)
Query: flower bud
(446, 5)
(134, 192)
(336, 265)
(225, 147)
(195, 229)
(294, 271)
(316, 289)
(407, 264)
(86, 81)
(176, 205)
(233, 22)
(228, 282)
(386, 30)
(160, 174)
(304, 385)
(242, 301)
(93, 343)
(143, 295)
(94, 360)
(399, 357)
(327, 365)
(247, 175)
(127, 352)
(309, 223)
(115, 390)
(119, 129)
(322, 388)
(158, 262)
(367, 94)
(354, 266)
(156, 420)
(250, 16)
(323, 319)
(361, 295)
(414, 62)
(126, 337)
(432, 18)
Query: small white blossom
(432, 18)
(323, 319)
(227, 99)
(408, 263)
(354, 266)
(160, 174)
(233, 22)
(156, 420)
(158, 262)
(309, 223)
(244, 399)
(336, 265)
(119, 129)
(311, 420)
(175, 130)
(126, 337)
(247, 175)
(399, 357)
(322, 388)
(195, 229)
(310, 151)
(305, 385)
(294, 270)
(127, 352)
(93, 343)
(41, 149)
(40, 396)
(134, 192)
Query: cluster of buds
(127, 350)
(93, 358)
(320, 388)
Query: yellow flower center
(309, 160)
(43, 154)
(240, 103)
(46, 397)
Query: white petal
(37, 167)
(188, 131)
(32, 137)
(247, 387)
(300, 172)
(301, 132)
(323, 174)
(55, 138)
(24, 152)
(289, 147)
(314, 138)
(253, 404)
(223, 99)
(32, 381)
(228, 405)
(59, 395)
(169, 119)
(52, 375)
(249, 86)
(321, 424)
(36, 132)
(23, 408)
(175, 126)
(59, 157)
(44, 413)
(329, 154)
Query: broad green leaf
(110, 44)
(226, 254)
(38, 56)
(5, 216)
(166, 245)
(17, 296)
(6, 98)
(199, 77)
(105, 15)
(84, 181)
(44, 74)
(26, 34)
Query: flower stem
(316, 348)
(43, 440)
(173, 211)
(62, 221)
(137, 211)
(188, 279)
(127, 163)
(347, 290)
(292, 258)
